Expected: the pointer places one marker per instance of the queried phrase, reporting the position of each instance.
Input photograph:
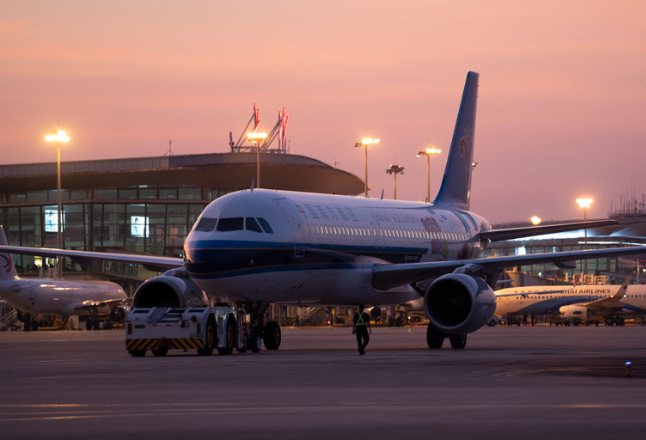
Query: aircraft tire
(272, 335)
(434, 337)
(230, 337)
(160, 351)
(88, 325)
(211, 338)
(34, 326)
(255, 342)
(458, 341)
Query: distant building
(145, 205)
(631, 231)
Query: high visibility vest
(360, 321)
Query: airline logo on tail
(6, 263)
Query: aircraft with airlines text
(607, 303)
(259, 246)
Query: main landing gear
(259, 332)
(92, 322)
(435, 338)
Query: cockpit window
(265, 225)
(206, 224)
(252, 225)
(230, 224)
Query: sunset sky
(561, 111)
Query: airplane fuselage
(320, 249)
(529, 300)
(56, 297)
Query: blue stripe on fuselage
(208, 258)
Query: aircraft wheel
(434, 337)
(621, 321)
(137, 353)
(159, 351)
(34, 326)
(88, 325)
(272, 335)
(458, 341)
(210, 338)
(230, 337)
(255, 341)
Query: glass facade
(139, 219)
(601, 266)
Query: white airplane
(38, 296)
(257, 247)
(611, 304)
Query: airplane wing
(89, 304)
(154, 263)
(530, 231)
(386, 276)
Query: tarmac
(509, 382)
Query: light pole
(394, 170)
(428, 153)
(364, 143)
(59, 137)
(585, 202)
(257, 137)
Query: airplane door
(293, 217)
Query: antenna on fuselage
(253, 182)
(382, 194)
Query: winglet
(622, 290)
(456, 183)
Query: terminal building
(148, 205)
(140, 205)
(630, 230)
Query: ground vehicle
(203, 328)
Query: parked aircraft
(39, 296)
(611, 304)
(257, 247)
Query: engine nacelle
(119, 313)
(458, 303)
(173, 289)
(575, 311)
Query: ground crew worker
(361, 327)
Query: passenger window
(265, 225)
(206, 224)
(230, 224)
(252, 225)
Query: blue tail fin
(456, 184)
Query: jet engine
(173, 289)
(458, 303)
(119, 313)
(575, 311)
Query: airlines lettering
(584, 291)
(402, 219)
